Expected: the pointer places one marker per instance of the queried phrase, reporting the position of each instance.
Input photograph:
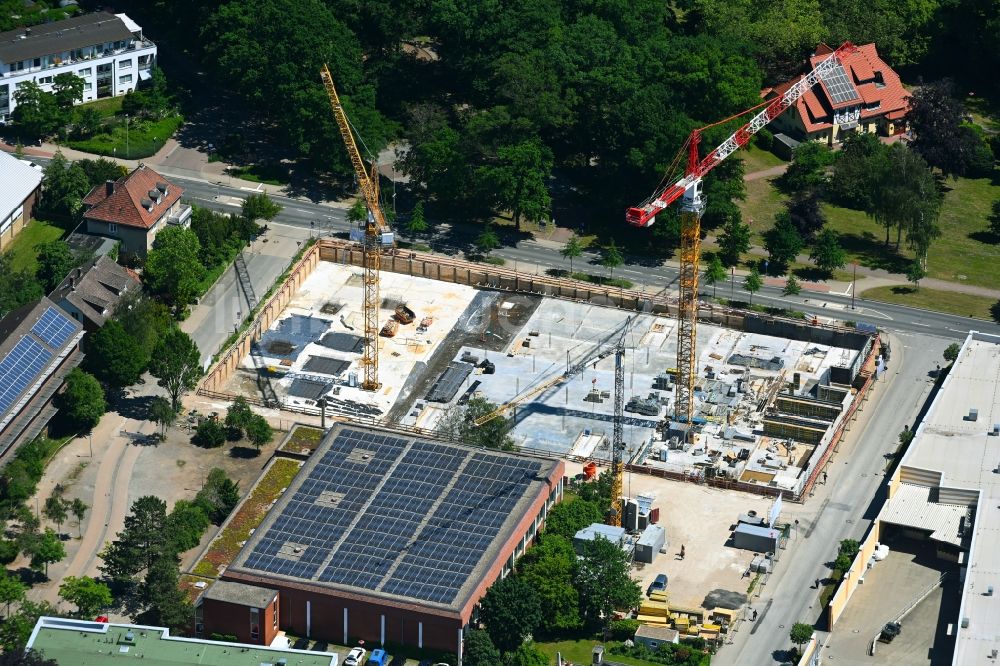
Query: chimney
(109, 187)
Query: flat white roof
(19, 180)
(966, 456)
(913, 506)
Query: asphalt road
(845, 506)
(533, 256)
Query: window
(125, 78)
(274, 613)
(17, 66)
(37, 62)
(254, 623)
(124, 64)
(84, 72)
(112, 228)
(104, 69)
(42, 80)
(87, 86)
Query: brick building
(248, 612)
(389, 538)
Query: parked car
(378, 658)
(658, 585)
(356, 657)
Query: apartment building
(108, 51)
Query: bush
(210, 434)
(8, 551)
(623, 630)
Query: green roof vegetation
(73, 644)
(248, 516)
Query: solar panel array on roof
(19, 369)
(54, 328)
(838, 85)
(405, 517)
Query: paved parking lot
(890, 587)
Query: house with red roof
(134, 208)
(862, 95)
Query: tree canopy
(82, 400)
(173, 270)
(176, 364)
(604, 583)
(511, 611)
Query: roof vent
(965, 623)
(996, 430)
(973, 415)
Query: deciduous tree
(951, 352)
(487, 240)
(173, 269)
(115, 357)
(714, 273)
(219, 496)
(79, 509)
(102, 169)
(238, 417)
(994, 219)
(573, 249)
(517, 179)
(176, 364)
(82, 400)
(479, 649)
(511, 612)
(68, 90)
(782, 242)
(168, 604)
(11, 590)
(258, 431)
(792, 286)
(55, 260)
(753, 282)
(37, 113)
(808, 167)
(604, 583)
(209, 434)
(941, 138)
(65, 186)
(827, 253)
(89, 595)
(800, 633)
(915, 273)
(549, 567)
(568, 518)
(161, 411)
(611, 257)
(260, 207)
(734, 241)
(47, 550)
(56, 509)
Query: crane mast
(375, 226)
(618, 432)
(689, 190)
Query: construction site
(713, 416)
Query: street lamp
(854, 282)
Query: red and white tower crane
(688, 190)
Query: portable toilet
(378, 657)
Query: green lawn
(759, 208)
(964, 305)
(755, 159)
(268, 174)
(580, 652)
(24, 249)
(107, 107)
(965, 252)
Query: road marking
(253, 189)
(876, 313)
(917, 323)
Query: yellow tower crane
(376, 233)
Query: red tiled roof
(124, 205)
(864, 64)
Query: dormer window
(155, 195)
(163, 187)
(147, 204)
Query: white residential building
(108, 51)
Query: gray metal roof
(241, 594)
(19, 180)
(59, 36)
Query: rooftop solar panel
(411, 518)
(53, 328)
(838, 85)
(19, 369)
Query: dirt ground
(700, 518)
